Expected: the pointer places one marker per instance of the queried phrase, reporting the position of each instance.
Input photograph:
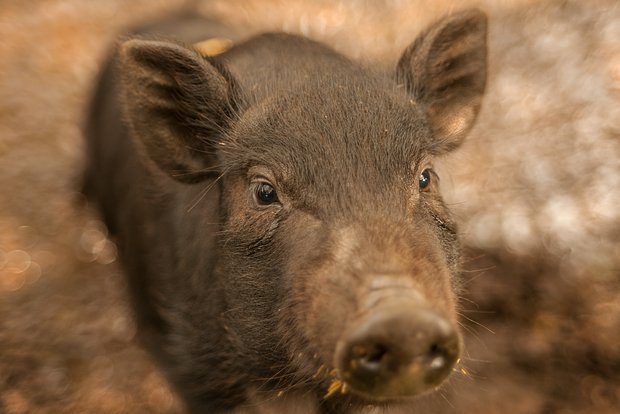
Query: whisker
(482, 269)
(477, 323)
(205, 191)
(484, 312)
(466, 299)
(442, 394)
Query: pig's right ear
(177, 104)
(445, 71)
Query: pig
(277, 213)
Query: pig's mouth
(395, 352)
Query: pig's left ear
(445, 70)
(178, 105)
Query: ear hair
(178, 103)
(445, 69)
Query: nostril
(437, 357)
(370, 357)
(440, 358)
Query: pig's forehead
(351, 128)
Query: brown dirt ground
(541, 176)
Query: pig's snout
(397, 351)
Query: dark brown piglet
(278, 216)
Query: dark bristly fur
(239, 299)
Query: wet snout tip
(396, 353)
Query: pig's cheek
(249, 225)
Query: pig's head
(336, 255)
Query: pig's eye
(266, 194)
(425, 180)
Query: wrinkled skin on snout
(279, 218)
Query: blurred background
(536, 190)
